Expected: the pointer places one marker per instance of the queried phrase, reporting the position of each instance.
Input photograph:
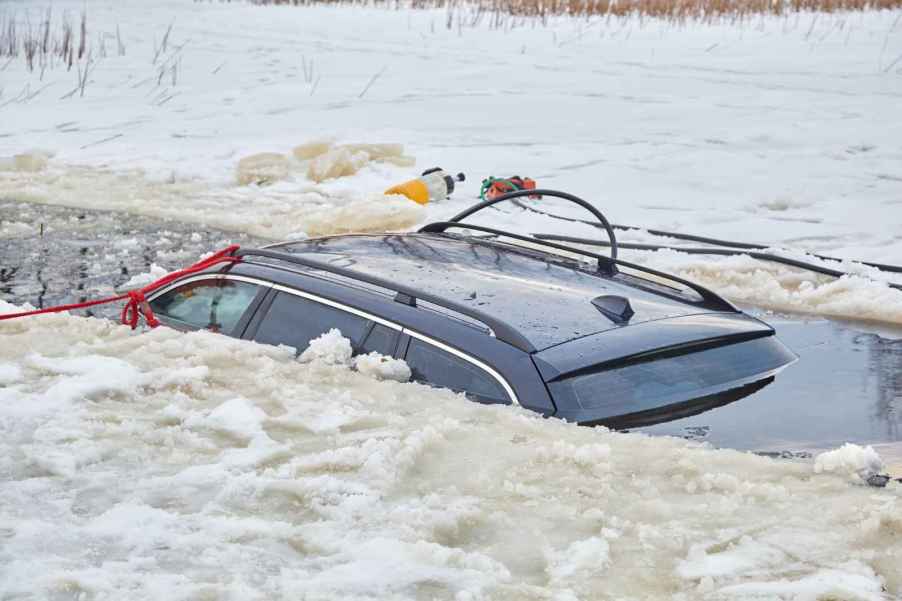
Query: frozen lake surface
(195, 467)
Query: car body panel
(548, 301)
(661, 336)
(546, 298)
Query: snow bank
(779, 287)
(277, 211)
(196, 466)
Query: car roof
(547, 298)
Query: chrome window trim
(337, 305)
(208, 276)
(460, 354)
(342, 307)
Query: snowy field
(777, 130)
(163, 465)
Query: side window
(432, 365)
(295, 321)
(213, 304)
(381, 339)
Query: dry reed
(679, 10)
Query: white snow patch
(238, 417)
(850, 459)
(854, 582)
(582, 559)
(330, 348)
(10, 373)
(778, 287)
(382, 367)
(142, 279)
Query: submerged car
(499, 316)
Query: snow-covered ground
(165, 465)
(778, 130)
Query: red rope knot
(136, 306)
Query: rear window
(650, 384)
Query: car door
(294, 318)
(215, 303)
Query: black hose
(602, 223)
(727, 252)
(702, 239)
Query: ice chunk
(339, 162)
(849, 459)
(327, 161)
(382, 367)
(746, 555)
(377, 152)
(311, 150)
(87, 377)
(378, 213)
(28, 162)
(331, 348)
(142, 279)
(583, 558)
(262, 169)
(853, 581)
(238, 417)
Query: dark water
(846, 386)
(55, 255)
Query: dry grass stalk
(675, 10)
(50, 42)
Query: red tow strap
(137, 302)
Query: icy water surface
(846, 387)
(55, 255)
(164, 465)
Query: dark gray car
(501, 317)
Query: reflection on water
(885, 361)
(846, 386)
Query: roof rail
(404, 294)
(708, 297)
(608, 264)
